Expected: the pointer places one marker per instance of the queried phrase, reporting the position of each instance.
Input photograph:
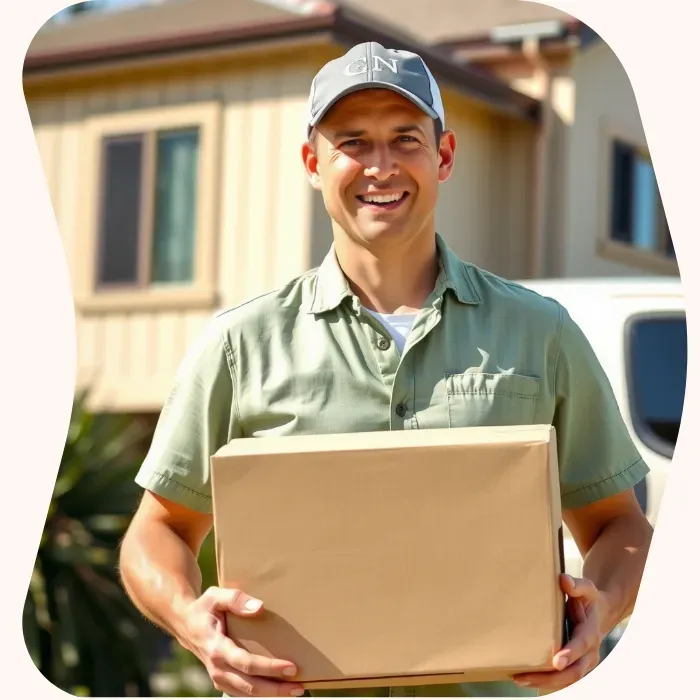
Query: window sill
(175, 299)
(634, 257)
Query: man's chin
(379, 232)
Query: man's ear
(310, 159)
(446, 155)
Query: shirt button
(401, 410)
(383, 344)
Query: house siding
(605, 103)
(271, 225)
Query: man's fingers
(254, 665)
(236, 672)
(556, 680)
(578, 587)
(234, 601)
(577, 612)
(241, 685)
(583, 640)
(227, 656)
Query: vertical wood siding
(271, 225)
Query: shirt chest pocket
(480, 399)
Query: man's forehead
(373, 100)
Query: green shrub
(81, 630)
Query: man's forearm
(161, 576)
(615, 564)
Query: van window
(657, 364)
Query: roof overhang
(545, 30)
(337, 25)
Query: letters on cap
(377, 61)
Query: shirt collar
(331, 287)
(454, 274)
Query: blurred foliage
(182, 675)
(81, 630)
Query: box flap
(386, 440)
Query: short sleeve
(197, 419)
(597, 457)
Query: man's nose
(381, 163)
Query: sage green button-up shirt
(307, 359)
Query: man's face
(378, 166)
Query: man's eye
(352, 142)
(406, 137)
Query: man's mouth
(383, 201)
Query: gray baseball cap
(370, 65)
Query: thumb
(235, 601)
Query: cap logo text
(360, 65)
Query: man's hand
(160, 572)
(233, 670)
(588, 611)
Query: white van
(637, 329)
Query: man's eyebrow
(346, 134)
(408, 128)
(356, 133)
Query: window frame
(145, 213)
(646, 436)
(201, 293)
(607, 246)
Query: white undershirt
(398, 325)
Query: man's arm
(599, 465)
(158, 557)
(613, 536)
(158, 560)
(161, 575)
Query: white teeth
(381, 199)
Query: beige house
(610, 184)
(601, 211)
(604, 215)
(170, 136)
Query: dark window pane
(658, 364)
(121, 207)
(637, 214)
(175, 207)
(622, 184)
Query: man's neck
(390, 281)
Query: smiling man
(392, 332)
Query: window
(149, 191)
(148, 213)
(637, 215)
(657, 364)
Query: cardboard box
(395, 558)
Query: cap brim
(374, 84)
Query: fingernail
(298, 692)
(253, 605)
(571, 581)
(289, 671)
(561, 662)
(524, 684)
